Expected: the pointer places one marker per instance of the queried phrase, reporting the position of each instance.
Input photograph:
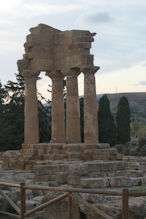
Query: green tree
(3, 95)
(107, 128)
(138, 129)
(14, 114)
(123, 120)
(44, 113)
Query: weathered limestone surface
(139, 159)
(93, 174)
(61, 54)
(104, 174)
(31, 126)
(90, 107)
(57, 112)
(49, 49)
(94, 166)
(32, 154)
(73, 134)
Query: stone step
(50, 169)
(96, 146)
(27, 157)
(46, 178)
(84, 168)
(73, 156)
(29, 154)
(82, 147)
(101, 166)
(43, 157)
(130, 173)
(72, 147)
(69, 151)
(134, 166)
(99, 182)
(121, 181)
(100, 154)
(60, 152)
(59, 156)
(43, 162)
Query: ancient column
(57, 111)
(90, 107)
(73, 134)
(31, 124)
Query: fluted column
(90, 107)
(73, 133)
(31, 124)
(57, 111)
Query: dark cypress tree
(107, 128)
(123, 121)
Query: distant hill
(137, 102)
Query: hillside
(137, 102)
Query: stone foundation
(92, 166)
(34, 154)
(80, 165)
(91, 174)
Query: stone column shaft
(57, 111)
(31, 125)
(73, 133)
(90, 109)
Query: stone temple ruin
(60, 54)
(66, 160)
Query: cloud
(41, 8)
(141, 83)
(121, 28)
(99, 17)
(144, 64)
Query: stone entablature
(51, 50)
(60, 54)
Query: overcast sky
(119, 47)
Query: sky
(119, 48)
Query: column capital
(55, 74)
(74, 72)
(90, 70)
(30, 73)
